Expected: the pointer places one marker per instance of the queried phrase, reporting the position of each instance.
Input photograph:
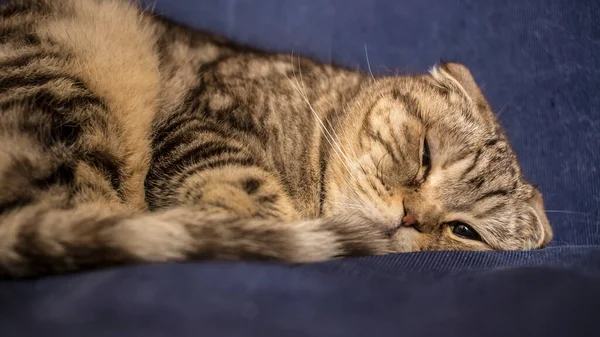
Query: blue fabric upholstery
(537, 62)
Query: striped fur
(127, 138)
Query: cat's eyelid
(481, 240)
(460, 218)
(425, 160)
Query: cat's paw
(246, 191)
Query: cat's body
(126, 138)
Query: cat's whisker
(353, 154)
(369, 63)
(347, 182)
(350, 207)
(378, 169)
(506, 105)
(343, 132)
(502, 109)
(361, 207)
(565, 212)
(338, 138)
(346, 203)
(324, 128)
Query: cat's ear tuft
(542, 231)
(462, 78)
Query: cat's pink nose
(409, 220)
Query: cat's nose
(409, 220)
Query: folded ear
(462, 78)
(542, 232)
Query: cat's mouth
(401, 229)
(405, 239)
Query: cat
(128, 138)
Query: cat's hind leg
(78, 87)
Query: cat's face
(424, 158)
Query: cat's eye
(425, 158)
(464, 231)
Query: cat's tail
(39, 239)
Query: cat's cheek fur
(407, 240)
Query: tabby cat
(127, 138)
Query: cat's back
(70, 55)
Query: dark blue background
(537, 62)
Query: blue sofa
(538, 62)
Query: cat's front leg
(246, 191)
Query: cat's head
(425, 158)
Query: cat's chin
(406, 240)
